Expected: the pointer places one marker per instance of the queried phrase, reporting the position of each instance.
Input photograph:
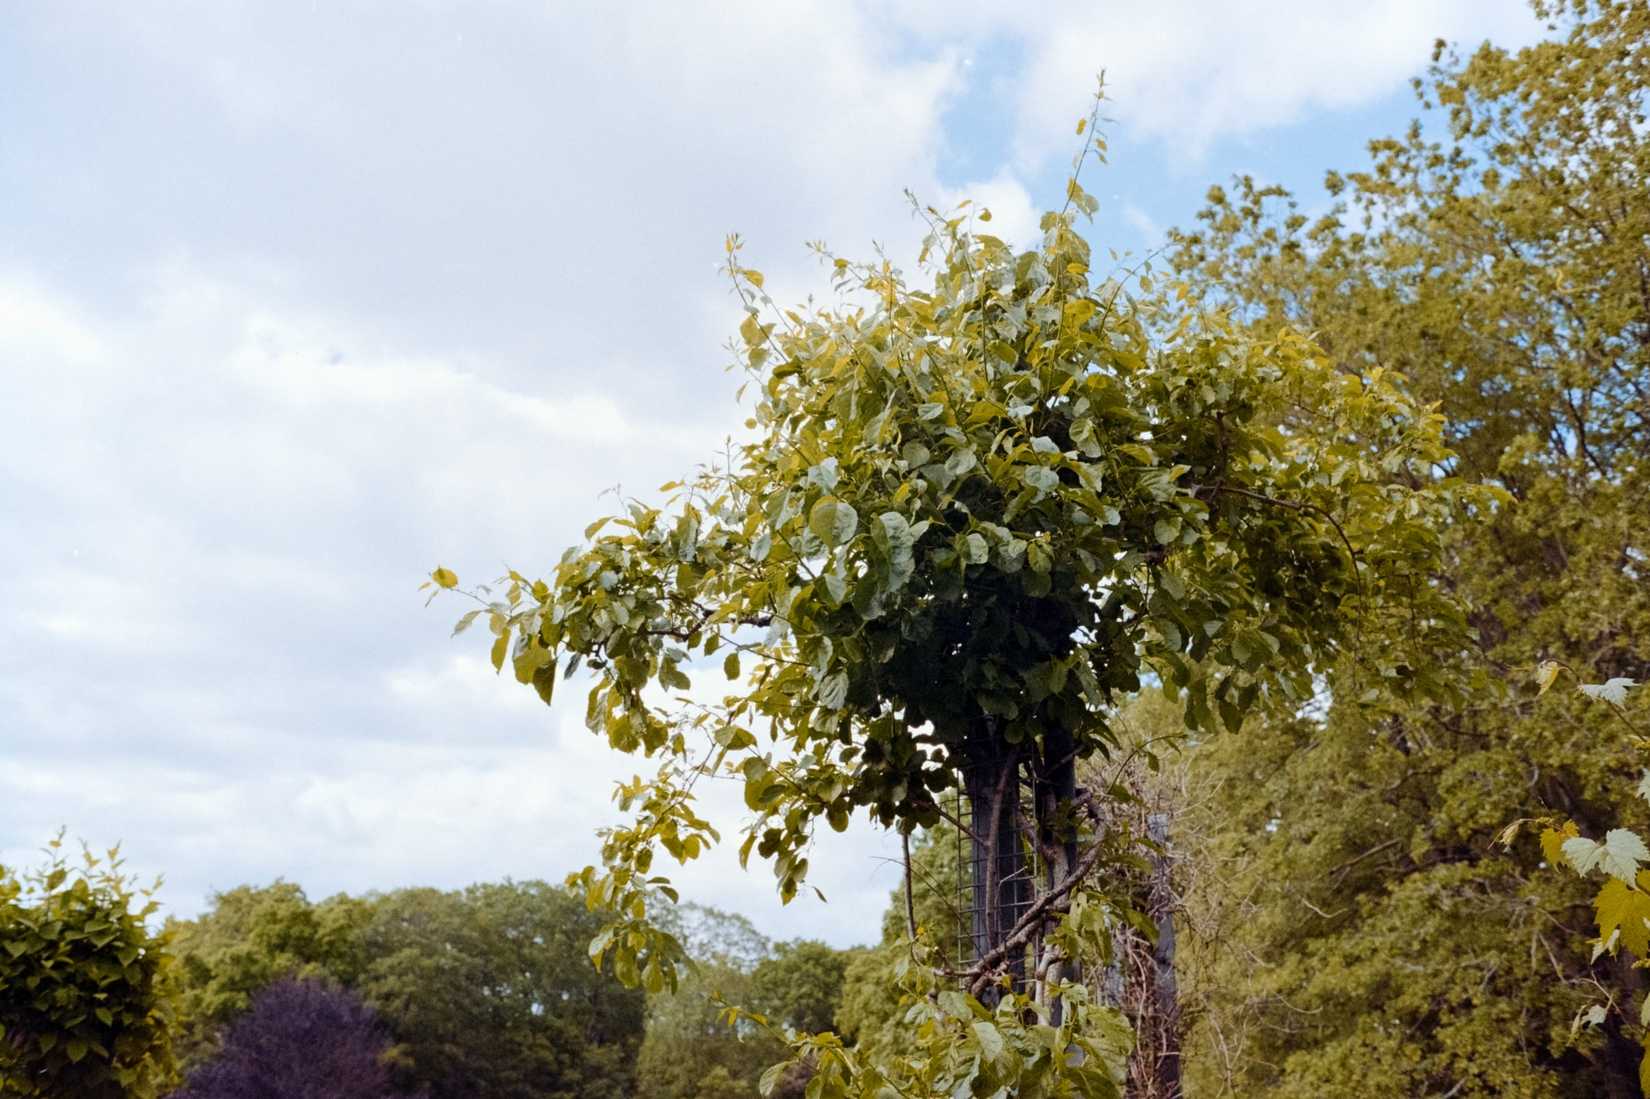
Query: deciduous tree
(969, 515)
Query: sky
(298, 301)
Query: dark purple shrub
(300, 1040)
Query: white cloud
(1143, 223)
(1186, 72)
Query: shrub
(85, 1003)
(301, 1040)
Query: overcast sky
(298, 301)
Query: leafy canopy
(967, 516)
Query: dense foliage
(1368, 927)
(301, 1040)
(84, 995)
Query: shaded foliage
(302, 1039)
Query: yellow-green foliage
(84, 986)
(1373, 937)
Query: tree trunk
(1142, 981)
(1056, 788)
(1162, 999)
(1001, 880)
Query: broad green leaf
(1041, 478)
(990, 1039)
(833, 691)
(833, 521)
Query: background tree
(690, 1050)
(300, 1040)
(249, 938)
(1499, 260)
(85, 994)
(490, 991)
(1143, 972)
(800, 984)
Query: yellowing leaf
(1552, 842)
(1619, 908)
(1545, 675)
(447, 578)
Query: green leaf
(1613, 691)
(833, 521)
(990, 1039)
(770, 1077)
(833, 690)
(960, 462)
(824, 474)
(730, 665)
(1082, 434)
(1552, 842)
(1037, 556)
(1041, 478)
(836, 588)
